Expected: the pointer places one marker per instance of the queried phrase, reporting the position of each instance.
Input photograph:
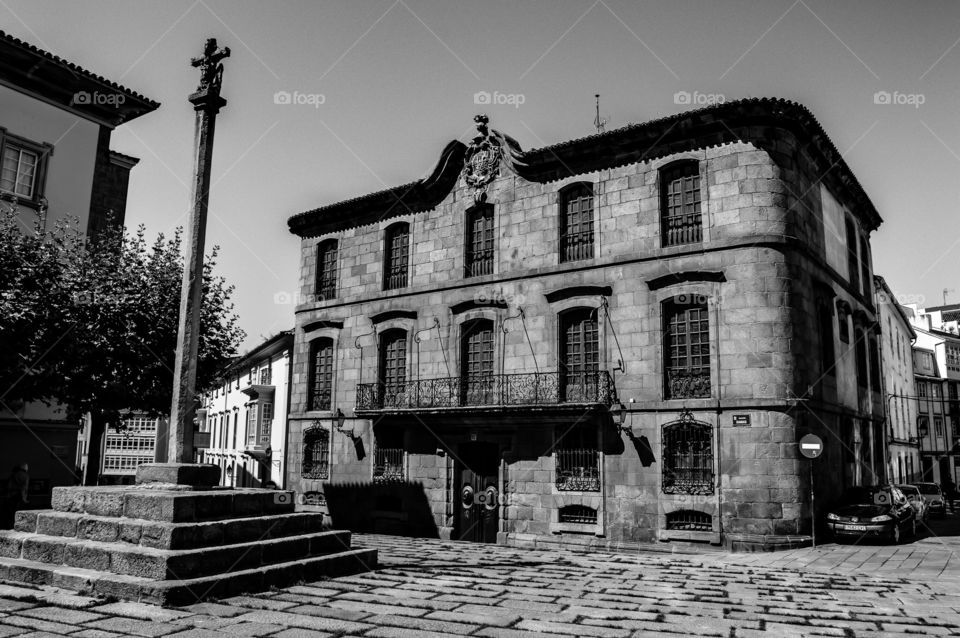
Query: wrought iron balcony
(495, 390)
(688, 383)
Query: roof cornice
(712, 126)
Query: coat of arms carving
(482, 161)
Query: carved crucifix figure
(211, 69)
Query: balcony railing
(495, 390)
(688, 383)
(682, 229)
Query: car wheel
(895, 534)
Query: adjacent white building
(245, 416)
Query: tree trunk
(91, 472)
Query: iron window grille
(480, 241)
(576, 223)
(388, 465)
(687, 349)
(580, 514)
(688, 457)
(681, 220)
(326, 285)
(316, 453)
(321, 374)
(689, 520)
(397, 257)
(577, 459)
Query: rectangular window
(252, 424)
(865, 267)
(326, 284)
(321, 374)
(397, 257)
(688, 457)
(19, 171)
(476, 360)
(266, 423)
(953, 358)
(576, 223)
(681, 221)
(480, 242)
(923, 425)
(938, 425)
(935, 390)
(579, 356)
(843, 324)
(266, 375)
(874, 364)
(687, 350)
(853, 262)
(315, 462)
(577, 460)
(827, 359)
(393, 368)
(388, 458)
(922, 388)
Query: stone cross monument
(207, 103)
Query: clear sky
(398, 78)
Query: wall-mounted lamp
(618, 413)
(339, 419)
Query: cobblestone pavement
(433, 588)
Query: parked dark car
(934, 498)
(916, 500)
(873, 511)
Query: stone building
(242, 421)
(896, 363)
(56, 122)
(937, 374)
(609, 340)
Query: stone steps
(162, 564)
(163, 535)
(191, 590)
(172, 505)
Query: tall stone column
(207, 103)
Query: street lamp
(618, 413)
(338, 420)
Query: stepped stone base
(166, 543)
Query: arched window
(326, 284)
(686, 347)
(479, 253)
(579, 355)
(681, 221)
(396, 261)
(316, 454)
(687, 457)
(321, 374)
(393, 368)
(576, 222)
(476, 363)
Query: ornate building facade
(609, 340)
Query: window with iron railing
(576, 222)
(315, 463)
(579, 514)
(393, 366)
(476, 361)
(687, 350)
(579, 354)
(577, 459)
(681, 220)
(326, 284)
(396, 261)
(688, 457)
(479, 253)
(388, 465)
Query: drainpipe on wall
(284, 466)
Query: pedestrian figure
(15, 498)
(949, 492)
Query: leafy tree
(101, 320)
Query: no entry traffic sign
(811, 446)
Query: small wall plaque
(741, 420)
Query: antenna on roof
(599, 122)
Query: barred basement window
(681, 221)
(316, 454)
(396, 260)
(577, 459)
(690, 520)
(388, 465)
(578, 514)
(478, 259)
(326, 285)
(576, 222)
(687, 457)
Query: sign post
(811, 446)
